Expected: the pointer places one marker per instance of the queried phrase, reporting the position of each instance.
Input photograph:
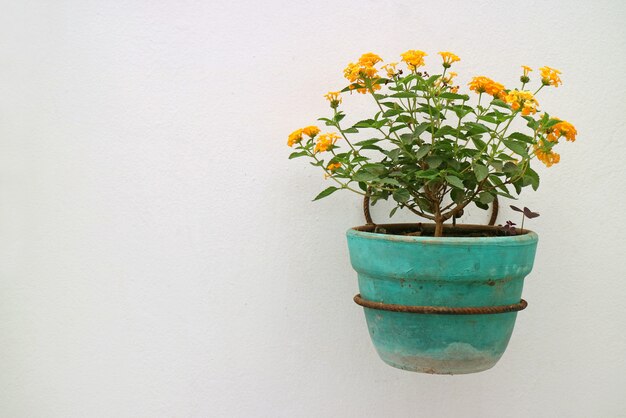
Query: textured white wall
(160, 256)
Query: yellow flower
(522, 99)
(294, 137)
(545, 154)
(334, 97)
(483, 84)
(448, 58)
(562, 129)
(550, 76)
(325, 142)
(369, 59)
(363, 70)
(333, 166)
(311, 131)
(413, 58)
(391, 69)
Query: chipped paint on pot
(445, 271)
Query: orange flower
(311, 131)
(333, 166)
(483, 84)
(545, 154)
(562, 129)
(325, 142)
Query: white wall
(161, 257)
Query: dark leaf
(530, 214)
(516, 209)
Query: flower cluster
(483, 84)
(427, 144)
(296, 136)
(522, 99)
(562, 129)
(362, 72)
(550, 76)
(326, 141)
(413, 58)
(334, 98)
(470, 156)
(448, 58)
(543, 152)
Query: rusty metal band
(442, 310)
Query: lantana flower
(413, 58)
(448, 58)
(550, 76)
(522, 99)
(325, 142)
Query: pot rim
(365, 231)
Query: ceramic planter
(440, 305)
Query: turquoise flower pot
(466, 291)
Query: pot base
(458, 358)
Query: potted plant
(438, 297)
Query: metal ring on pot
(441, 310)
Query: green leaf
(422, 151)
(454, 96)
(393, 212)
(391, 181)
(500, 103)
(419, 129)
(363, 175)
(367, 142)
(550, 123)
(457, 195)
(393, 112)
(479, 143)
(516, 147)
(433, 161)
(339, 116)
(326, 192)
(481, 172)
(455, 182)
(405, 95)
(401, 195)
(531, 177)
(485, 198)
(393, 154)
(446, 130)
(481, 205)
(476, 128)
(366, 123)
(521, 137)
(398, 127)
(297, 154)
